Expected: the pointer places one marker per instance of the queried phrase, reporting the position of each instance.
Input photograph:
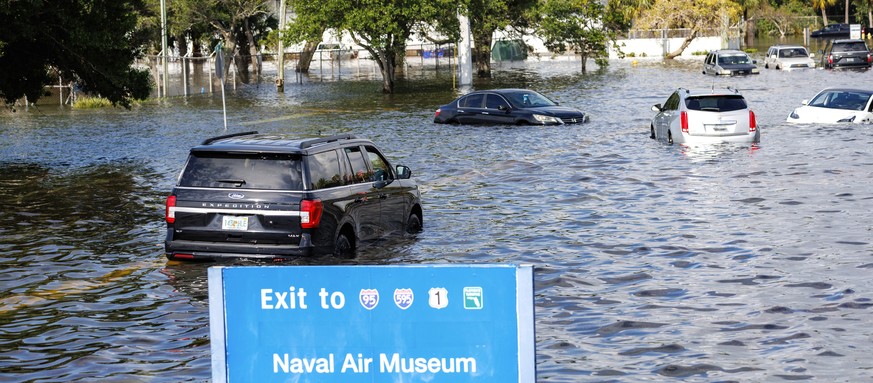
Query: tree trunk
(824, 15)
(584, 57)
(482, 53)
(684, 45)
(305, 59)
(253, 49)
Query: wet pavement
(652, 262)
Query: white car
(788, 57)
(704, 117)
(834, 105)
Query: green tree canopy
(579, 25)
(93, 42)
(695, 15)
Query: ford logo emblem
(236, 195)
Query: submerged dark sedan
(507, 106)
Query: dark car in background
(846, 53)
(272, 196)
(832, 31)
(507, 106)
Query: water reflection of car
(846, 53)
(835, 105)
(729, 62)
(832, 31)
(788, 57)
(704, 117)
(507, 106)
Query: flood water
(744, 263)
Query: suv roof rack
(309, 143)
(213, 139)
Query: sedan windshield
(528, 99)
(842, 99)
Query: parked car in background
(707, 116)
(832, 31)
(846, 53)
(729, 62)
(333, 51)
(836, 105)
(507, 106)
(788, 57)
(250, 195)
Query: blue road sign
(347, 324)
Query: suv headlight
(547, 119)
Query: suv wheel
(344, 246)
(413, 223)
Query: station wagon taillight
(170, 214)
(753, 123)
(310, 213)
(683, 118)
(437, 113)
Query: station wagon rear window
(724, 103)
(243, 171)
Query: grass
(91, 103)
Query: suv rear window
(850, 47)
(725, 103)
(243, 171)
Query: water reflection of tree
(103, 208)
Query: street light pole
(280, 82)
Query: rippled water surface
(652, 262)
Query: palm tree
(822, 4)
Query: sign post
(347, 324)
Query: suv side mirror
(503, 108)
(403, 172)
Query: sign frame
(220, 276)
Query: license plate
(717, 128)
(234, 223)
(850, 59)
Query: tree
(380, 27)
(580, 25)
(822, 4)
(695, 15)
(91, 42)
(487, 16)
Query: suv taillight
(437, 113)
(869, 58)
(310, 213)
(683, 118)
(830, 59)
(170, 214)
(753, 123)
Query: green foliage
(577, 25)
(693, 14)
(91, 103)
(93, 42)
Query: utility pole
(164, 46)
(280, 82)
(465, 62)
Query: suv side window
(324, 171)
(672, 102)
(360, 172)
(381, 171)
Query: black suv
(850, 53)
(270, 196)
